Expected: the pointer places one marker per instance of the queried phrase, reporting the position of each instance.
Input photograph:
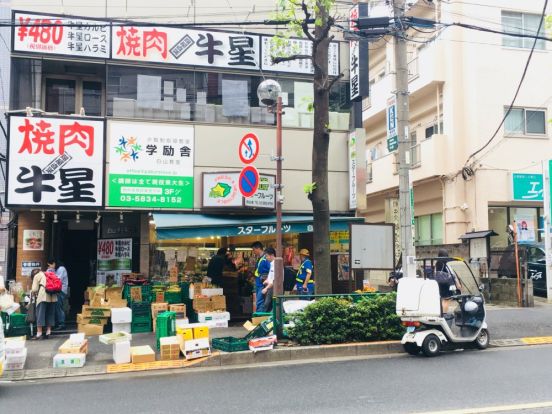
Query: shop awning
(186, 226)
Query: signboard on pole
(114, 259)
(151, 165)
(55, 162)
(358, 56)
(352, 171)
(372, 246)
(392, 134)
(527, 187)
(221, 190)
(249, 148)
(248, 181)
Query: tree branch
(325, 31)
(305, 24)
(281, 59)
(334, 80)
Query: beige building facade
(461, 84)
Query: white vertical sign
(547, 224)
(352, 171)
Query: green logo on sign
(527, 187)
(221, 190)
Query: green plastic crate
(140, 327)
(258, 314)
(18, 331)
(146, 293)
(263, 329)
(141, 319)
(184, 290)
(140, 309)
(165, 326)
(231, 344)
(173, 297)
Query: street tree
(312, 19)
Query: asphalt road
(520, 322)
(400, 384)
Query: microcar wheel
(431, 345)
(411, 348)
(482, 341)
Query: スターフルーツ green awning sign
(150, 165)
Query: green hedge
(332, 321)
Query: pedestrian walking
(45, 305)
(262, 267)
(304, 279)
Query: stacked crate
(156, 309)
(141, 317)
(166, 326)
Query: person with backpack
(45, 287)
(61, 273)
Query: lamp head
(268, 92)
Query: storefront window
(213, 98)
(429, 229)
(528, 220)
(26, 82)
(498, 220)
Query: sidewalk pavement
(507, 326)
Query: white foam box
(212, 292)
(213, 316)
(121, 352)
(15, 362)
(217, 324)
(14, 347)
(69, 360)
(181, 323)
(197, 348)
(121, 315)
(121, 327)
(76, 339)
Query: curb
(228, 359)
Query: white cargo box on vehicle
(418, 297)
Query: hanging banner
(150, 165)
(55, 162)
(114, 260)
(61, 35)
(358, 56)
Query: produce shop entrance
(75, 247)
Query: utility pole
(405, 191)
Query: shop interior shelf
(231, 344)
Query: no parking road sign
(248, 181)
(249, 148)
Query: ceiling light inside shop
(121, 217)
(98, 218)
(77, 217)
(55, 218)
(42, 217)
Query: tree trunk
(321, 137)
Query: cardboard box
(121, 315)
(169, 348)
(179, 309)
(69, 348)
(136, 293)
(219, 302)
(113, 293)
(210, 292)
(187, 334)
(81, 320)
(122, 327)
(258, 319)
(213, 316)
(99, 312)
(121, 352)
(159, 297)
(196, 348)
(141, 354)
(15, 362)
(201, 332)
(69, 360)
(202, 305)
(116, 303)
(90, 330)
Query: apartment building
(461, 84)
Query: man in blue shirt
(304, 279)
(61, 273)
(262, 268)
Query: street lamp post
(269, 93)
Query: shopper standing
(262, 268)
(304, 279)
(216, 267)
(267, 291)
(45, 305)
(61, 273)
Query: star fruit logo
(128, 149)
(221, 190)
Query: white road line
(494, 409)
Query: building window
(434, 129)
(522, 23)
(522, 121)
(429, 229)
(529, 221)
